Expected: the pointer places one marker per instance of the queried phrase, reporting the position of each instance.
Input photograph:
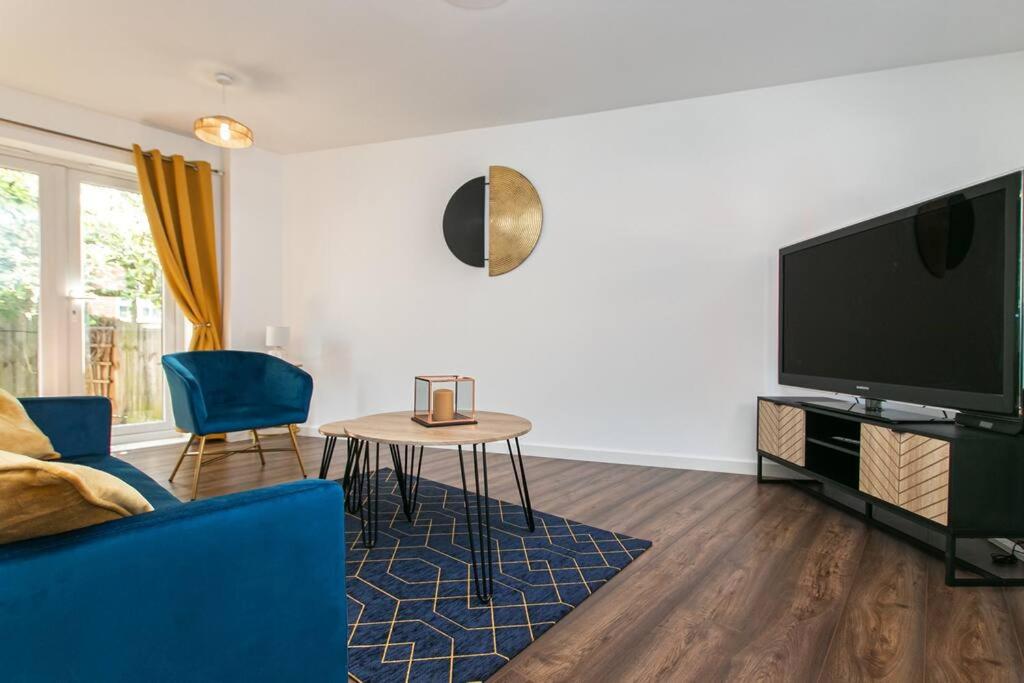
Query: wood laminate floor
(744, 582)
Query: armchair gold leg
(295, 445)
(199, 464)
(181, 459)
(259, 447)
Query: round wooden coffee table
(403, 436)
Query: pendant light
(221, 130)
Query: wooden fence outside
(123, 365)
(19, 355)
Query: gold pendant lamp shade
(221, 130)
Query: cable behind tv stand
(874, 409)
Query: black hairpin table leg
(482, 562)
(353, 447)
(524, 490)
(351, 476)
(404, 460)
(369, 507)
(325, 460)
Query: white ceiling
(314, 74)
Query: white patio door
(84, 308)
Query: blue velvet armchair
(213, 392)
(245, 587)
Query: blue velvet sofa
(244, 587)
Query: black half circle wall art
(464, 223)
(514, 217)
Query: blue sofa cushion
(157, 495)
(79, 427)
(76, 425)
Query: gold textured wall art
(513, 225)
(515, 218)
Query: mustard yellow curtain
(178, 198)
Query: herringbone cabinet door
(792, 429)
(879, 462)
(768, 427)
(908, 470)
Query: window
(84, 308)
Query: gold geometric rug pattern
(413, 612)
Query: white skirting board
(667, 460)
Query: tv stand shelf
(834, 446)
(958, 482)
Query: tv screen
(919, 305)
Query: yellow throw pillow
(19, 434)
(40, 498)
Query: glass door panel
(20, 274)
(124, 318)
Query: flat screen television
(921, 305)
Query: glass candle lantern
(443, 400)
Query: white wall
(643, 325)
(253, 241)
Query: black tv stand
(876, 410)
(943, 487)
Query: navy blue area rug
(412, 611)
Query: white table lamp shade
(278, 336)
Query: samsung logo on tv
(864, 388)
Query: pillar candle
(444, 404)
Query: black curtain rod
(79, 138)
